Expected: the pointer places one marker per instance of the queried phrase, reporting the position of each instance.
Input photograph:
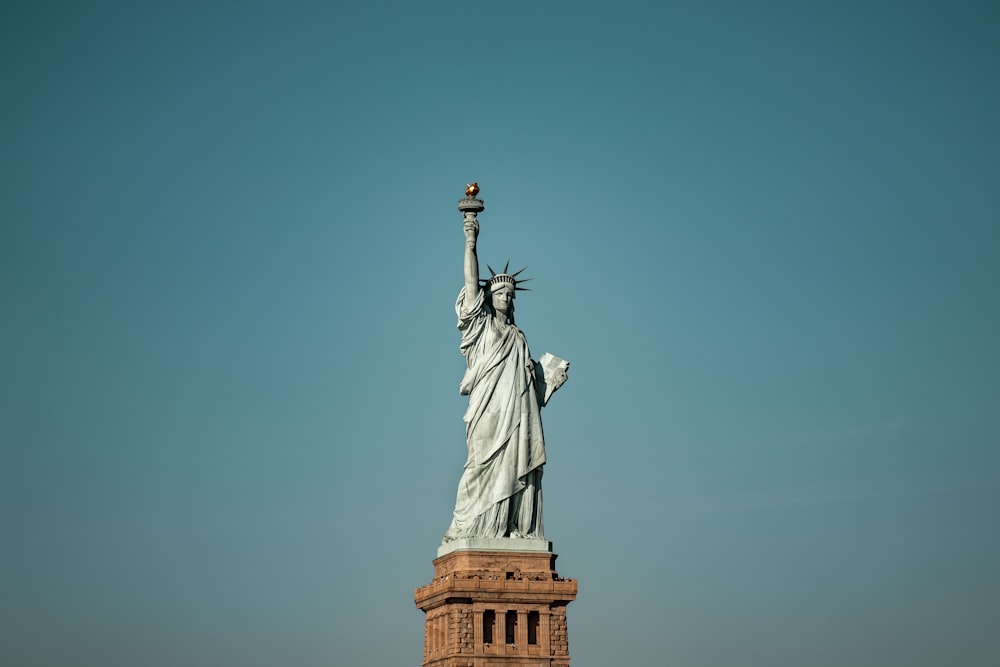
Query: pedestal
(496, 608)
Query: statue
(500, 491)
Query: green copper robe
(500, 492)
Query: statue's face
(502, 297)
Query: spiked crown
(504, 278)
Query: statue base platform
(501, 607)
(494, 544)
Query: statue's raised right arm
(471, 260)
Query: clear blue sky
(765, 235)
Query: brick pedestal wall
(496, 609)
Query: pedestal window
(489, 622)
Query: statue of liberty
(500, 491)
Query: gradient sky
(765, 235)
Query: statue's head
(502, 288)
(501, 297)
